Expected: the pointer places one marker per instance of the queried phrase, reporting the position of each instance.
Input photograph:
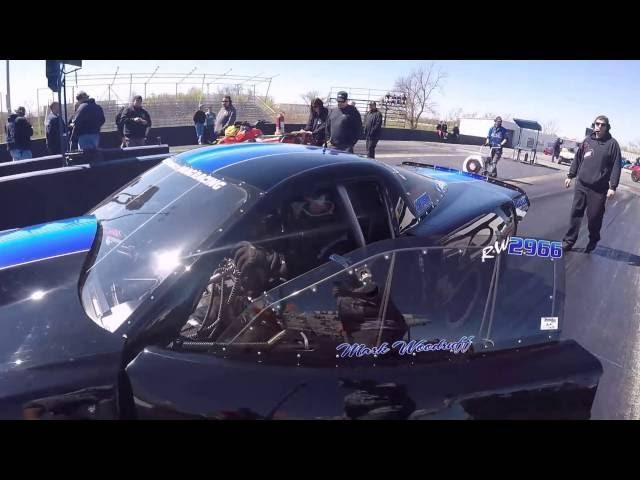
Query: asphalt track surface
(602, 309)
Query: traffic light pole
(64, 143)
(8, 92)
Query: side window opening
(370, 207)
(278, 242)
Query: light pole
(8, 90)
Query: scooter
(479, 163)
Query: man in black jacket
(344, 124)
(597, 167)
(87, 122)
(317, 122)
(19, 132)
(556, 149)
(372, 129)
(136, 123)
(120, 127)
(53, 126)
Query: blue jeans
(19, 154)
(199, 131)
(88, 141)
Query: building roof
(528, 124)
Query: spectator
(456, 133)
(226, 116)
(73, 137)
(344, 125)
(597, 168)
(444, 130)
(136, 122)
(19, 132)
(87, 122)
(317, 122)
(53, 127)
(18, 146)
(199, 119)
(556, 149)
(120, 127)
(209, 125)
(372, 129)
(439, 129)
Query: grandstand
(113, 91)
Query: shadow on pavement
(613, 254)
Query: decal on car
(530, 247)
(197, 175)
(403, 347)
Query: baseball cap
(21, 110)
(81, 94)
(342, 96)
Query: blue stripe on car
(210, 159)
(47, 240)
(449, 177)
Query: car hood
(45, 330)
(468, 196)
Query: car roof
(266, 165)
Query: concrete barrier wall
(36, 197)
(186, 135)
(79, 158)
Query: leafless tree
(549, 128)
(454, 115)
(310, 96)
(418, 88)
(633, 147)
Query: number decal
(515, 246)
(530, 247)
(556, 249)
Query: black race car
(257, 281)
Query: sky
(568, 93)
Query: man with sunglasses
(597, 168)
(226, 116)
(344, 125)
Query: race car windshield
(147, 230)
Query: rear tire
(635, 177)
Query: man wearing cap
(497, 138)
(87, 122)
(597, 167)
(19, 132)
(136, 122)
(372, 129)
(344, 125)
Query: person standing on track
(597, 167)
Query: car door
(395, 329)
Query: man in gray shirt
(226, 116)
